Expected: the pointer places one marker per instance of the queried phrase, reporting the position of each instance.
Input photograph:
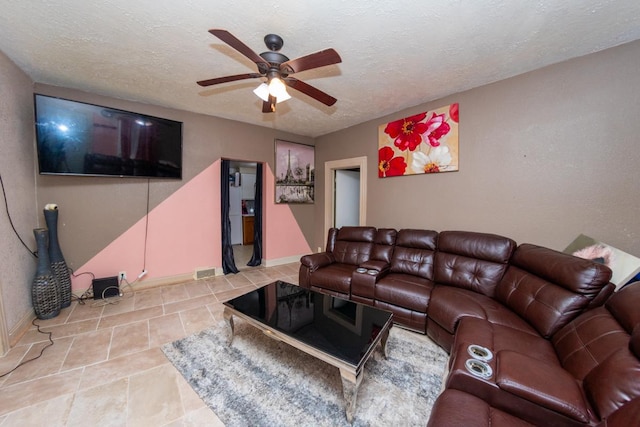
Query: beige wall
(544, 157)
(94, 211)
(17, 265)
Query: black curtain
(228, 263)
(256, 258)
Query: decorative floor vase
(58, 264)
(45, 294)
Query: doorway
(345, 186)
(243, 211)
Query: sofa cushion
(473, 261)
(496, 338)
(448, 305)
(335, 277)
(626, 416)
(613, 382)
(588, 340)
(624, 305)
(455, 408)
(383, 244)
(575, 274)
(549, 288)
(353, 245)
(547, 385)
(404, 290)
(413, 253)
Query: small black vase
(45, 294)
(58, 264)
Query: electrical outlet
(122, 276)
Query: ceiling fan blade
(313, 60)
(226, 79)
(235, 43)
(270, 105)
(313, 92)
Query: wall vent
(203, 273)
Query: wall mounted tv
(75, 138)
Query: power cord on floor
(116, 298)
(88, 294)
(33, 322)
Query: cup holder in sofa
(480, 353)
(479, 368)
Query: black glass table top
(341, 328)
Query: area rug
(258, 381)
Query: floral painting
(424, 143)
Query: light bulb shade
(278, 89)
(262, 92)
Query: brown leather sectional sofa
(535, 336)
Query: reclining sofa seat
(588, 370)
(539, 291)
(405, 287)
(330, 271)
(469, 267)
(446, 412)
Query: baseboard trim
(282, 261)
(157, 282)
(21, 328)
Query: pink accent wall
(283, 237)
(184, 234)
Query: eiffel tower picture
(294, 172)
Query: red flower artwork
(453, 112)
(423, 143)
(407, 132)
(437, 127)
(389, 165)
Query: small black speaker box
(105, 287)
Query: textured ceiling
(396, 53)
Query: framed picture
(625, 267)
(295, 172)
(420, 144)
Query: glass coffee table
(339, 332)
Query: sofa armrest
(315, 261)
(372, 264)
(549, 386)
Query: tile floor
(106, 367)
(242, 255)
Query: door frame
(329, 191)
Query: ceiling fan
(277, 68)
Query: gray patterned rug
(262, 382)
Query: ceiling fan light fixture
(278, 89)
(262, 92)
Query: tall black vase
(58, 264)
(45, 294)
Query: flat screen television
(76, 138)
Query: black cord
(89, 292)
(6, 205)
(33, 322)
